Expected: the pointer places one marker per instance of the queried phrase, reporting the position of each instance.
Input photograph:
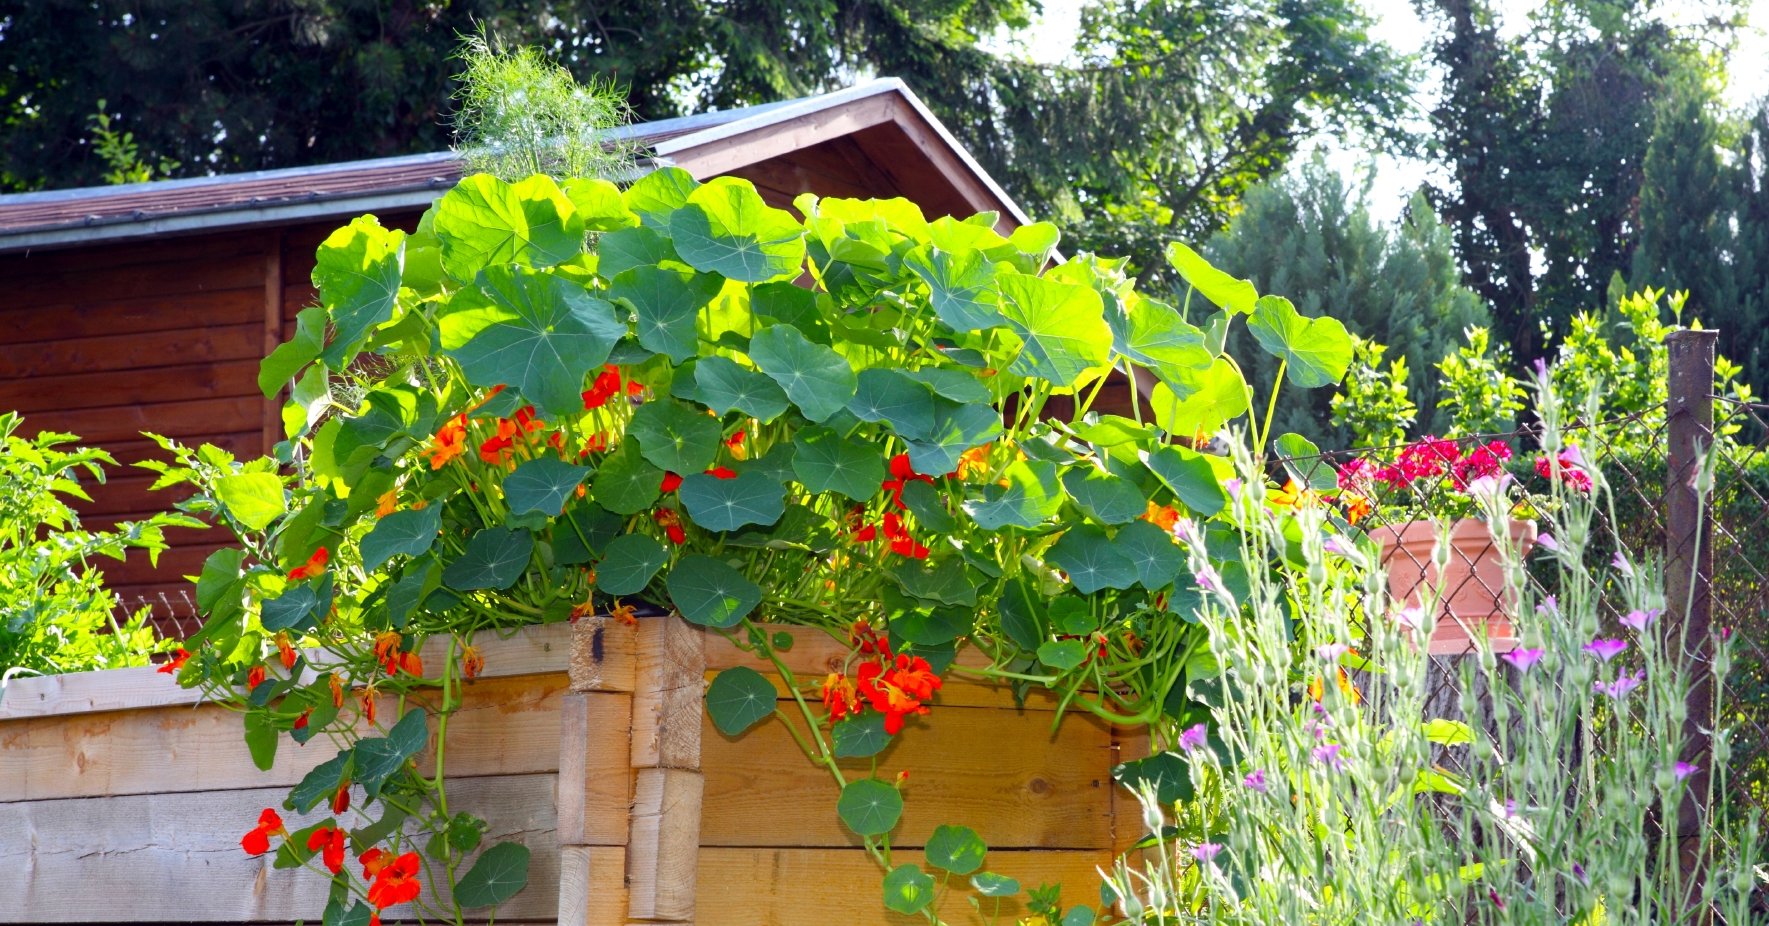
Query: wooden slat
(91, 283)
(592, 886)
(1000, 772)
(529, 651)
(668, 689)
(168, 383)
(662, 850)
(112, 255)
(593, 795)
(132, 351)
(272, 334)
(119, 312)
(819, 887)
(505, 726)
(177, 857)
(191, 422)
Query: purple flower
(1255, 780)
(1549, 607)
(1639, 620)
(1330, 652)
(1329, 755)
(1207, 579)
(1184, 530)
(1334, 545)
(1570, 456)
(1193, 737)
(1605, 649)
(1233, 486)
(1621, 686)
(1547, 542)
(1540, 365)
(1412, 618)
(1683, 770)
(1206, 851)
(1510, 808)
(1578, 871)
(1622, 565)
(1522, 659)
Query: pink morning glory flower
(1683, 770)
(1622, 565)
(1331, 651)
(1522, 659)
(1621, 686)
(1329, 755)
(1194, 737)
(1639, 619)
(1255, 781)
(1605, 649)
(1206, 851)
(1547, 542)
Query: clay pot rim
(1425, 530)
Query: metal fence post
(1689, 548)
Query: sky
(1396, 24)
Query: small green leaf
(356, 271)
(1168, 773)
(1315, 351)
(1448, 732)
(666, 304)
(378, 758)
(739, 698)
(261, 737)
(254, 499)
(494, 559)
(923, 501)
(1092, 561)
(409, 533)
(727, 504)
(495, 878)
(868, 806)
(1062, 655)
(620, 251)
(908, 889)
(321, 782)
(1031, 496)
(934, 627)
(542, 485)
(724, 227)
(1022, 613)
(817, 379)
(827, 462)
(291, 356)
(1078, 916)
(675, 436)
(1190, 476)
(294, 609)
(1225, 291)
(860, 737)
(885, 394)
(1209, 400)
(722, 385)
(709, 592)
(625, 483)
(990, 884)
(335, 914)
(957, 849)
(1106, 498)
(1303, 461)
(657, 195)
(629, 563)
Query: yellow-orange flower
(472, 663)
(387, 650)
(386, 504)
(450, 441)
(1294, 497)
(1357, 507)
(1162, 516)
(974, 462)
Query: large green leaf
(1031, 495)
(495, 558)
(1063, 326)
(542, 484)
(1225, 291)
(710, 592)
(261, 739)
(1154, 335)
(957, 849)
(726, 228)
(410, 533)
(885, 394)
(868, 806)
(356, 271)
(953, 429)
(1152, 551)
(727, 504)
(377, 758)
(291, 356)
(1212, 398)
(721, 384)
(860, 737)
(961, 286)
(828, 462)
(254, 499)
(666, 305)
(739, 698)
(1190, 475)
(940, 580)
(626, 483)
(1091, 559)
(495, 878)
(629, 563)
(1315, 351)
(538, 332)
(818, 380)
(676, 436)
(1106, 498)
(484, 222)
(321, 782)
(908, 889)
(990, 884)
(1169, 774)
(657, 195)
(620, 251)
(599, 205)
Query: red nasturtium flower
(179, 656)
(472, 663)
(257, 842)
(301, 721)
(387, 650)
(341, 800)
(902, 473)
(329, 842)
(368, 704)
(396, 881)
(254, 677)
(735, 444)
(671, 523)
(722, 472)
(314, 566)
(450, 441)
(839, 697)
(897, 688)
(901, 543)
(671, 482)
(606, 385)
(285, 649)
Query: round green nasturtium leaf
(727, 504)
(953, 429)
(1315, 351)
(495, 558)
(990, 884)
(485, 222)
(860, 737)
(599, 204)
(620, 251)
(295, 609)
(722, 385)
(929, 508)
(1091, 559)
(657, 195)
(1078, 916)
(1152, 552)
(1032, 495)
(827, 462)
(676, 436)
(960, 286)
(379, 757)
(1022, 613)
(1063, 327)
(408, 533)
(957, 849)
(254, 499)
(261, 738)
(884, 394)
(1154, 335)
(629, 563)
(1167, 773)
(535, 331)
(666, 304)
(1063, 655)
(941, 580)
(933, 627)
(709, 592)
(1106, 498)
(356, 271)
(868, 806)
(908, 889)
(817, 379)
(739, 698)
(321, 782)
(724, 227)
(1225, 291)
(626, 483)
(1190, 475)
(543, 485)
(1209, 400)
(496, 877)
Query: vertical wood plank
(668, 688)
(664, 850)
(273, 327)
(592, 886)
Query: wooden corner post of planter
(660, 666)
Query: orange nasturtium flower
(1294, 497)
(341, 800)
(257, 842)
(735, 443)
(1357, 507)
(387, 650)
(329, 842)
(368, 704)
(285, 650)
(1317, 688)
(386, 504)
(301, 721)
(839, 697)
(974, 462)
(471, 662)
(1162, 516)
(337, 689)
(314, 566)
(450, 441)
(625, 613)
(396, 882)
(178, 659)
(254, 677)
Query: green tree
(1310, 237)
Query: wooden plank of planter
(177, 857)
(592, 886)
(816, 887)
(530, 651)
(668, 694)
(662, 852)
(505, 726)
(1000, 772)
(595, 787)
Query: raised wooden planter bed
(122, 799)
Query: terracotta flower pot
(1474, 596)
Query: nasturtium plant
(555, 400)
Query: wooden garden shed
(148, 306)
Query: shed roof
(705, 144)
